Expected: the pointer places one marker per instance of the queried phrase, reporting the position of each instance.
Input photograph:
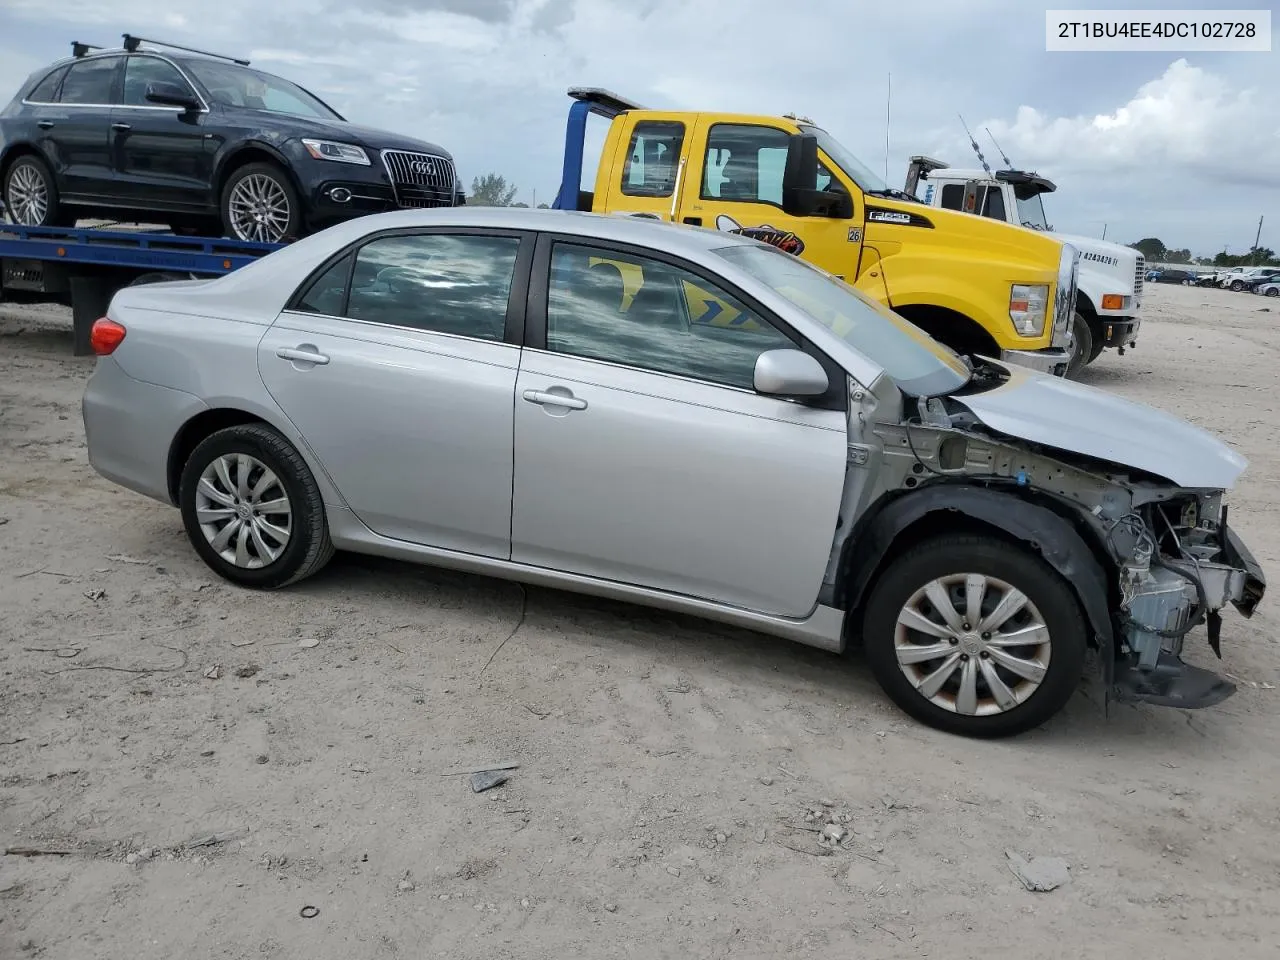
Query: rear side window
(90, 81)
(652, 159)
(446, 283)
(46, 91)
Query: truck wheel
(260, 204)
(973, 636)
(1081, 347)
(31, 195)
(252, 509)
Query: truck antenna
(974, 143)
(1003, 156)
(888, 92)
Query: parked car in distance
(203, 143)
(548, 396)
(1269, 289)
(1237, 278)
(1252, 283)
(1172, 276)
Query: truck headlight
(340, 152)
(1028, 307)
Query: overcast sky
(1185, 147)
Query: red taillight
(105, 336)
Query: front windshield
(846, 161)
(920, 365)
(239, 86)
(1031, 212)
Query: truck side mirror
(800, 197)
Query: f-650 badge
(784, 240)
(889, 216)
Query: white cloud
(1187, 120)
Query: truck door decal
(784, 240)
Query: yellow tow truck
(978, 285)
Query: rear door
(643, 453)
(78, 126)
(650, 165)
(160, 153)
(397, 364)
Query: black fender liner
(1040, 528)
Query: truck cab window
(993, 203)
(652, 159)
(745, 164)
(952, 196)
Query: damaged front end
(1180, 565)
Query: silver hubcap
(243, 511)
(259, 209)
(972, 644)
(28, 199)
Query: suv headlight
(340, 152)
(1028, 307)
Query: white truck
(1111, 276)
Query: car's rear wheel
(252, 509)
(260, 204)
(975, 636)
(1237, 285)
(1272, 292)
(31, 195)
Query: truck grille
(1139, 274)
(420, 179)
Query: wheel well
(245, 156)
(963, 334)
(19, 150)
(193, 432)
(947, 522)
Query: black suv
(203, 143)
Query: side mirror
(800, 198)
(172, 95)
(790, 373)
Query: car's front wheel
(1237, 285)
(975, 636)
(1273, 292)
(260, 204)
(252, 508)
(31, 194)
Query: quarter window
(140, 72)
(620, 308)
(652, 159)
(90, 81)
(46, 91)
(457, 284)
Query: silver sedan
(681, 418)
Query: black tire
(1082, 348)
(55, 214)
(1050, 595)
(309, 547)
(291, 231)
(1237, 285)
(1273, 292)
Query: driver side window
(631, 310)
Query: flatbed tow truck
(84, 267)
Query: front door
(734, 182)
(396, 367)
(645, 456)
(160, 153)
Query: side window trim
(60, 72)
(535, 312)
(517, 297)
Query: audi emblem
(423, 168)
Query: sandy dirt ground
(204, 775)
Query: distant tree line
(492, 190)
(1156, 252)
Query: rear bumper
(1053, 361)
(130, 426)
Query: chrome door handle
(302, 356)
(44, 124)
(555, 399)
(122, 127)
